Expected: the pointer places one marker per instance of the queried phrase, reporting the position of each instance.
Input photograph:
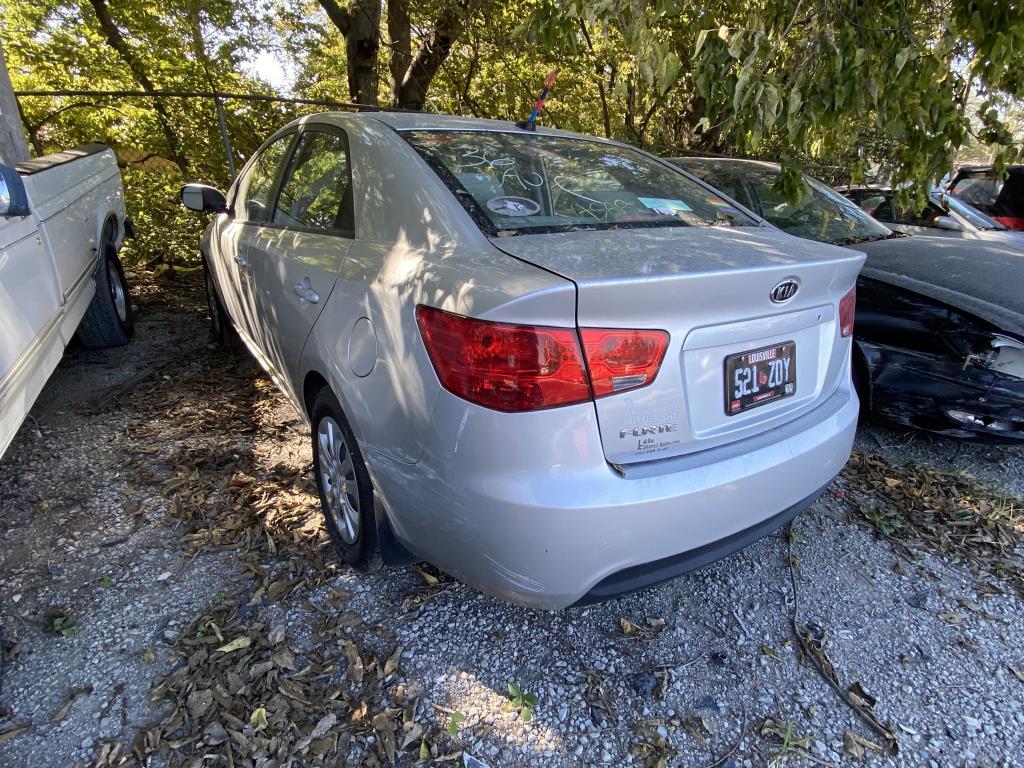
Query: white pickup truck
(62, 223)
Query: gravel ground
(124, 501)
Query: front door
(241, 236)
(30, 303)
(302, 247)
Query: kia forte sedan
(554, 366)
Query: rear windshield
(524, 183)
(978, 190)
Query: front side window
(315, 189)
(257, 186)
(521, 183)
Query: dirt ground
(168, 597)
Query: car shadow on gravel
(161, 501)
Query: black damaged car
(940, 322)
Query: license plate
(759, 376)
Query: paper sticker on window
(665, 206)
(513, 206)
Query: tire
(109, 321)
(343, 484)
(221, 329)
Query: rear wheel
(343, 484)
(109, 321)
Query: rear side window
(256, 188)
(514, 183)
(315, 191)
(926, 218)
(879, 206)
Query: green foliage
(840, 87)
(64, 625)
(165, 231)
(521, 703)
(453, 724)
(821, 82)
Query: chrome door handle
(306, 293)
(241, 262)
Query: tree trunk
(432, 53)
(359, 23)
(13, 148)
(400, 41)
(116, 41)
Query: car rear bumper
(938, 394)
(526, 507)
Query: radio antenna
(530, 123)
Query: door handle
(241, 262)
(305, 292)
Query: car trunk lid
(709, 287)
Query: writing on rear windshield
(514, 182)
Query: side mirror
(948, 222)
(13, 198)
(203, 198)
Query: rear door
(302, 247)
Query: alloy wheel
(338, 479)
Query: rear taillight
(503, 366)
(847, 310)
(620, 359)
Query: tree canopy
(837, 86)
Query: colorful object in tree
(530, 123)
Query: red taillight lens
(847, 310)
(503, 366)
(621, 359)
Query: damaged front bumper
(937, 393)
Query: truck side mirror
(948, 222)
(13, 198)
(203, 198)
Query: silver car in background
(554, 366)
(942, 216)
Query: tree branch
(116, 41)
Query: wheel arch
(861, 375)
(312, 383)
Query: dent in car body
(925, 360)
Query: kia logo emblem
(784, 291)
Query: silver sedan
(555, 366)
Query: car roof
(864, 188)
(426, 121)
(988, 169)
(718, 164)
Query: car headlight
(1006, 356)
